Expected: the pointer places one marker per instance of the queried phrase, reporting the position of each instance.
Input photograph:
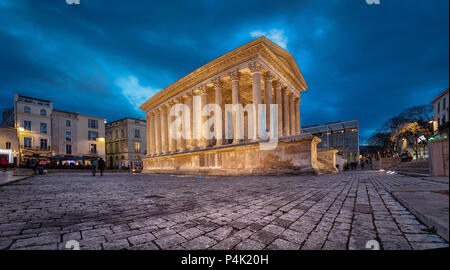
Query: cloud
(275, 35)
(134, 92)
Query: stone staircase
(414, 168)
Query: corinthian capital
(203, 90)
(255, 67)
(268, 76)
(234, 75)
(217, 82)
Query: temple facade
(207, 122)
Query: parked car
(406, 157)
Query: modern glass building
(342, 136)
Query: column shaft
(256, 90)
(236, 99)
(292, 113)
(170, 132)
(286, 123)
(204, 100)
(268, 96)
(218, 123)
(164, 145)
(297, 116)
(280, 108)
(157, 133)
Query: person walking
(94, 166)
(4, 162)
(101, 166)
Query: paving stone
(281, 244)
(249, 244)
(201, 242)
(141, 239)
(36, 241)
(169, 241)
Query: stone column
(157, 132)
(181, 142)
(151, 134)
(268, 96)
(292, 113)
(204, 101)
(286, 121)
(236, 99)
(278, 101)
(218, 99)
(255, 69)
(148, 136)
(164, 144)
(189, 143)
(172, 144)
(297, 116)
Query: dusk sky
(105, 58)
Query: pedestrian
(94, 166)
(4, 162)
(362, 164)
(101, 166)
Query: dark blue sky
(105, 58)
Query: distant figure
(4, 162)
(101, 166)
(94, 166)
(362, 164)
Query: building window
(8, 145)
(43, 128)
(68, 149)
(92, 123)
(27, 142)
(26, 109)
(43, 112)
(121, 133)
(68, 123)
(44, 144)
(137, 133)
(117, 134)
(92, 135)
(137, 147)
(439, 107)
(27, 125)
(444, 104)
(93, 148)
(68, 136)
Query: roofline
(127, 118)
(330, 124)
(439, 96)
(35, 98)
(65, 112)
(205, 70)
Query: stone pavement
(125, 211)
(427, 199)
(8, 177)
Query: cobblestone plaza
(124, 211)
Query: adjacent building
(32, 119)
(44, 133)
(342, 136)
(440, 108)
(126, 141)
(9, 144)
(77, 135)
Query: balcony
(37, 149)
